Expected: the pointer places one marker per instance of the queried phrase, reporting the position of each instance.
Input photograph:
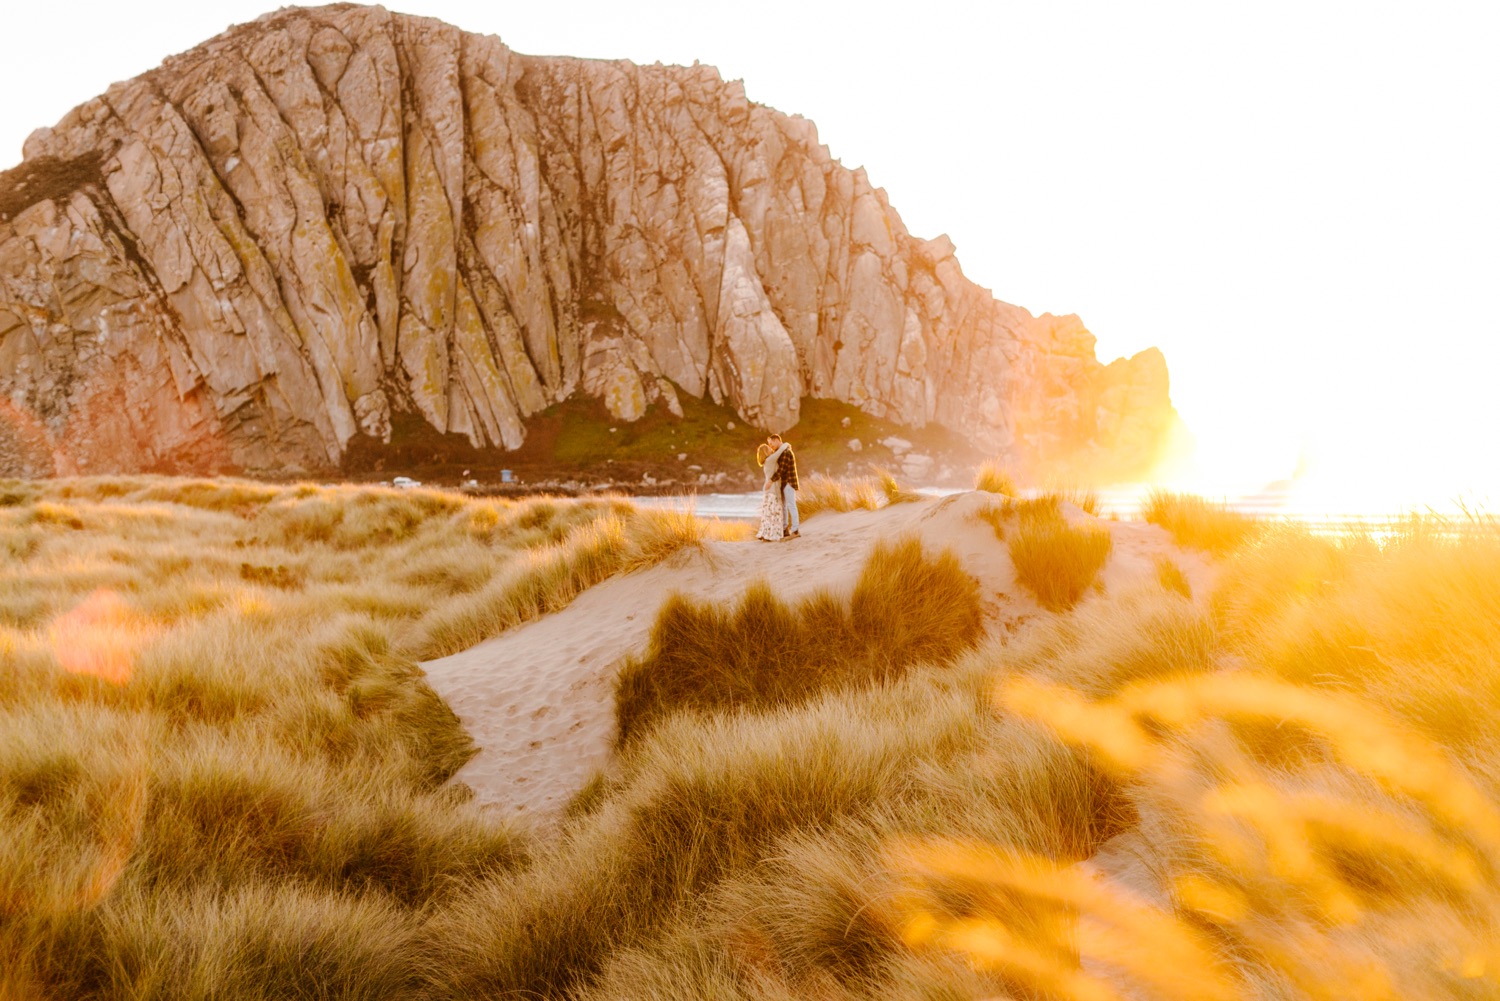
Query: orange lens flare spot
(100, 637)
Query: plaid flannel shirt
(786, 469)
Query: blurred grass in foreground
(1316, 790)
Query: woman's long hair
(761, 453)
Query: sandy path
(539, 699)
(1137, 547)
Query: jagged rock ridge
(265, 247)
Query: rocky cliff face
(272, 243)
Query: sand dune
(538, 699)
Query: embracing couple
(778, 502)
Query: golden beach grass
(908, 607)
(1199, 523)
(1055, 560)
(1321, 816)
(220, 770)
(821, 493)
(992, 477)
(221, 774)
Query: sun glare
(1351, 459)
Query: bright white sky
(1299, 202)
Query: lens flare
(100, 637)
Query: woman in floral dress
(772, 506)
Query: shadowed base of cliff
(577, 445)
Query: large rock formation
(265, 247)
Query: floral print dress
(772, 505)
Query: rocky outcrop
(273, 243)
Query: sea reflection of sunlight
(1342, 451)
(1319, 477)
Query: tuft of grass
(658, 534)
(1031, 510)
(894, 490)
(1082, 498)
(820, 493)
(1193, 521)
(14, 493)
(1053, 560)
(762, 653)
(260, 942)
(47, 513)
(1171, 578)
(991, 477)
(1142, 633)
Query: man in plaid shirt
(786, 475)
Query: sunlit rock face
(266, 247)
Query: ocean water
(1124, 503)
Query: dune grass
(820, 493)
(705, 859)
(1084, 499)
(769, 753)
(763, 653)
(221, 772)
(1056, 561)
(227, 782)
(550, 576)
(1408, 621)
(991, 477)
(1199, 523)
(893, 489)
(1319, 813)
